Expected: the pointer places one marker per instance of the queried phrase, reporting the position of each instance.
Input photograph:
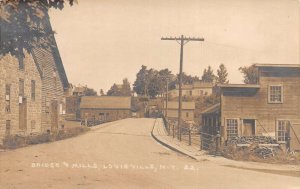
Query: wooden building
(32, 81)
(197, 89)
(105, 108)
(269, 108)
(188, 109)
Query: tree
(120, 90)
(25, 25)
(250, 74)
(222, 74)
(208, 75)
(114, 91)
(141, 83)
(126, 89)
(90, 92)
(101, 92)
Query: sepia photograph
(158, 94)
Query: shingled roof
(105, 102)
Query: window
(275, 94)
(7, 98)
(21, 87)
(32, 124)
(232, 128)
(32, 90)
(191, 93)
(283, 130)
(21, 62)
(187, 114)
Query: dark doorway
(248, 127)
(54, 115)
(22, 114)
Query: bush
(260, 154)
(17, 141)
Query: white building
(196, 89)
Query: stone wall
(11, 74)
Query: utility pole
(167, 78)
(181, 41)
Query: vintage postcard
(150, 94)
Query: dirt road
(122, 154)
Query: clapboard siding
(52, 88)
(245, 103)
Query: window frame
(237, 127)
(33, 90)
(7, 98)
(287, 127)
(269, 94)
(21, 87)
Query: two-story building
(269, 108)
(32, 81)
(187, 114)
(197, 89)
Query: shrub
(16, 141)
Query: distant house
(196, 89)
(80, 90)
(105, 108)
(187, 114)
(269, 108)
(32, 86)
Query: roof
(239, 86)
(105, 102)
(79, 89)
(185, 105)
(278, 65)
(196, 85)
(202, 84)
(212, 109)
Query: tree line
(153, 83)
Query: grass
(250, 154)
(16, 141)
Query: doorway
(248, 127)
(54, 115)
(22, 114)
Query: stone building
(32, 77)
(20, 96)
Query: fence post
(218, 137)
(200, 141)
(173, 130)
(190, 140)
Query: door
(23, 114)
(54, 115)
(248, 127)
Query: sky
(103, 41)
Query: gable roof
(106, 102)
(278, 65)
(239, 86)
(39, 42)
(50, 56)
